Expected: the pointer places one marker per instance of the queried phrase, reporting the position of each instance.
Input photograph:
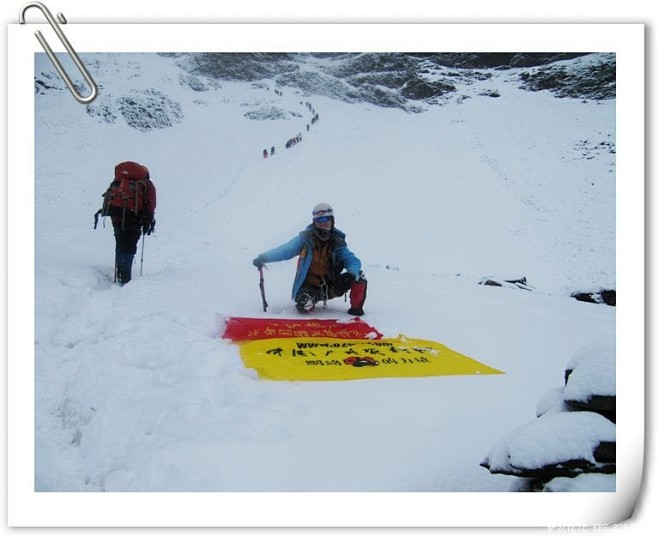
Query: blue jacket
(302, 245)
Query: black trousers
(126, 246)
(334, 289)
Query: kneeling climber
(326, 268)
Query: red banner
(248, 329)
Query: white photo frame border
(27, 508)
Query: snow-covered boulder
(591, 379)
(552, 402)
(574, 433)
(556, 445)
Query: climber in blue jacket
(326, 268)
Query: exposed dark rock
(319, 84)
(603, 405)
(520, 282)
(596, 81)
(193, 82)
(568, 468)
(271, 112)
(606, 452)
(419, 89)
(490, 283)
(490, 93)
(144, 110)
(494, 60)
(239, 66)
(149, 110)
(606, 296)
(104, 108)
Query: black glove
(148, 226)
(259, 262)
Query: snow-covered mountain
(443, 174)
(411, 82)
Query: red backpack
(127, 194)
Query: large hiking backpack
(126, 195)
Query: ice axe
(262, 288)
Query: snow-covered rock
(558, 444)
(590, 379)
(574, 432)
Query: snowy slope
(135, 389)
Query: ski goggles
(322, 219)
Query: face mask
(322, 234)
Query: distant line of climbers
(294, 141)
(298, 138)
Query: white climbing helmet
(322, 209)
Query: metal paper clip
(74, 56)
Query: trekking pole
(262, 289)
(141, 262)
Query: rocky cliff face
(409, 81)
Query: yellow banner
(341, 359)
